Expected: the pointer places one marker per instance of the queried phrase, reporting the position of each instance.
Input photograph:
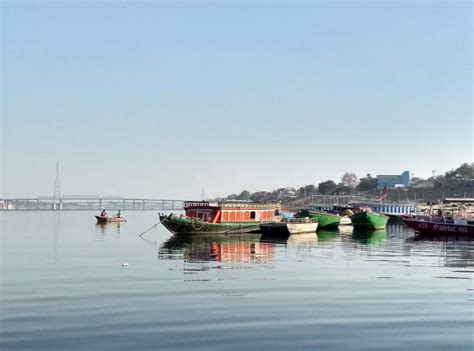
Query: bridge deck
(89, 203)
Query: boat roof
(232, 204)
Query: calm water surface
(63, 287)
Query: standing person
(119, 214)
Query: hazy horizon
(161, 99)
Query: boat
(109, 219)
(443, 218)
(328, 215)
(440, 226)
(345, 220)
(291, 226)
(325, 220)
(203, 217)
(369, 220)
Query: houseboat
(202, 217)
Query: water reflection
(220, 248)
(453, 251)
(300, 241)
(346, 229)
(112, 227)
(370, 237)
(328, 235)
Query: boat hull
(300, 228)
(279, 228)
(437, 228)
(369, 220)
(186, 225)
(345, 220)
(109, 219)
(283, 228)
(326, 220)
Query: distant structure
(393, 181)
(57, 203)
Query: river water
(64, 286)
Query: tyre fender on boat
(197, 224)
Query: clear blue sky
(164, 99)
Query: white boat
(298, 227)
(290, 226)
(345, 220)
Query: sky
(168, 99)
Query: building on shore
(393, 181)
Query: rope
(153, 226)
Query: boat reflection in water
(450, 250)
(370, 237)
(345, 229)
(302, 240)
(244, 248)
(109, 227)
(328, 235)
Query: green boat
(369, 220)
(326, 220)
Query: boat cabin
(221, 212)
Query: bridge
(88, 203)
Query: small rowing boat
(109, 219)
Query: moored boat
(325, 220)
(204, 217)
(344, 221)
(292, 226)
(433, 226)
(109, 219)
(369, 220)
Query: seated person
(103, 213)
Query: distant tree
(326, 187)
(232, 197)
(349, 179)
(343, 189)
(260, 196)
(307, 190)
(244, 195)
(366, 184)
(463, 172)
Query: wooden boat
(326, 220)
(369, 220)
(345, 220)
(204, 217)
(440, 226)
(109, 219)
(291, 226)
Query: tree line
(348, 184)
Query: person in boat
(103, 213)
(119, 214)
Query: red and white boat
(440, 226)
